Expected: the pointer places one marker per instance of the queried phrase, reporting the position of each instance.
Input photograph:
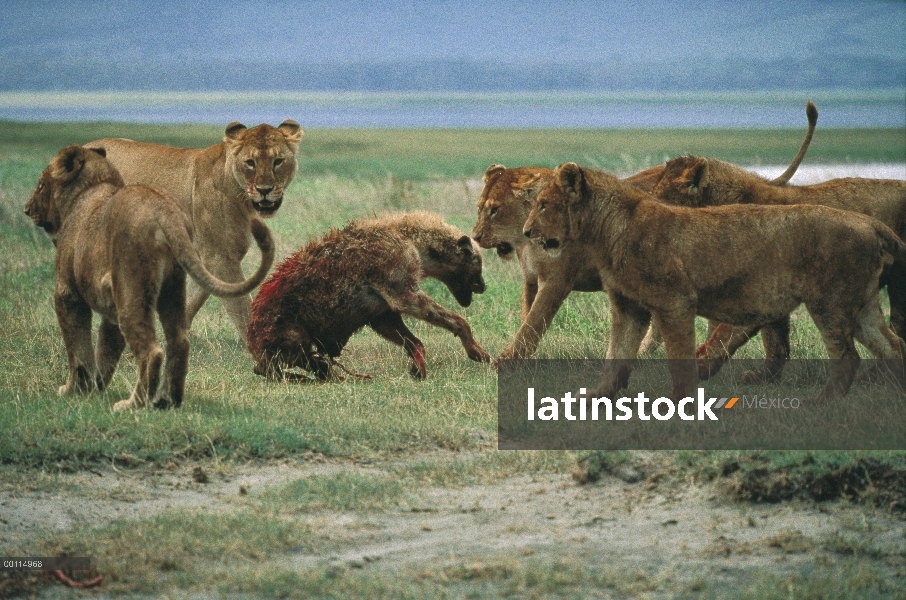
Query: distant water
(884, 108)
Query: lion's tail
(190, 261)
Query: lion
(698, 181)
(744, 265)
(503, 208)
(367, 273)
(123, 252)
(221, 189)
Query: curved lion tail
(811, 112)
(190, 261)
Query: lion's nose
(264, 191)
(477, 238)
(527, 233)
(27, 211)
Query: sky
(39, 36)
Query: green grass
(232, 415)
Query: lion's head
(549, 220)
(505, 204)
(72, 170)
(698, 181)
(262, 160)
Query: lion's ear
(100, 151)
(491, 171)
(569, 178)
(465, 245)
(235, 131)
(696, 176)
(68, 163)
(291, 131)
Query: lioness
(367, 273)
(221, 188)
(742, 265)
(698, 181)
(124, 251)
(503, 208)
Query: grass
(232, 416)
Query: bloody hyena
(367, 273)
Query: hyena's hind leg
(391, 327)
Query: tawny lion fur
(123, 252)
(741, 264)
(367, 273)
(698, 181)
(503, 208)
(221, 189)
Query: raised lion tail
(190, 261)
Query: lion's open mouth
(504, 249)
(550, 244)
(267, 207)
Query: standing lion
(221, 188)
(123, 252)
(367, 273)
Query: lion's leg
(628, 324)
(776, 340)
(529, 292)
(551, 294)
(721, 344)
(110, 347)
(886, 345)
(237, 308)
(678, 328)
(391, 327)
(74, 317)
(653, 340)
(136, 318)
(896, 291)
(196, 299)
(837, 332)
(421, 306)
(171, 309)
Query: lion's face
(40, 206)
(505, 204)
(262, 161)
(548, 222)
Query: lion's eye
(250, 163)
(494, 211)
(278, 162)
(543, 205)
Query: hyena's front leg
(421, 306)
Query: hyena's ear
(68, 163)
(235, 131)
(569, 179)
(291, 131)
(464, 244)
(491, 172)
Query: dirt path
(677, 533)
